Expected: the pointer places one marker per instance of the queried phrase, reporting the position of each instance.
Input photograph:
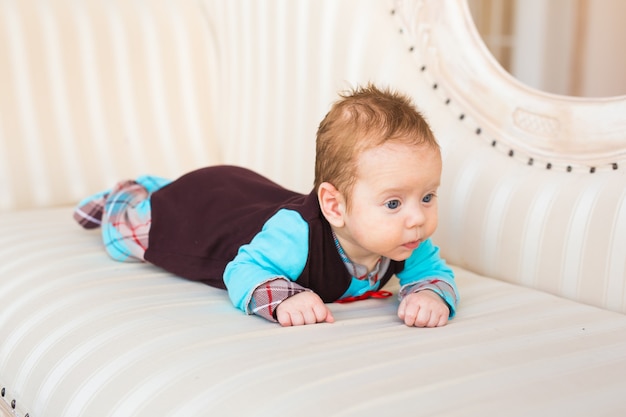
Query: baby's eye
(392, 204)
(428, 198)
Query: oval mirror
(566, 47)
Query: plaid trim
(267, 297)
(360, 271)
(442, 288)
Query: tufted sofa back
(98, 90)
(92, 91)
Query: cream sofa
(532, 215)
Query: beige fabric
(5, 409)
(85, 336)
(94, 91)
(559, 232)
(281, 65)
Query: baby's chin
(399, 257)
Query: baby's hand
(303, 308)
(423, 309)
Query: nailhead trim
(478, 131)
(13, 404)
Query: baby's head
(365, 118)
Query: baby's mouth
(412, 245)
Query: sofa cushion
(84, 335)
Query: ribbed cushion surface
(83, 335)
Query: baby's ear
(332, 204)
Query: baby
(283, 255)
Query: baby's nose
(415, 218)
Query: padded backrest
(281, 65)
(97, 90)
(533, 191)
(530, 192)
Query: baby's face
(393, 203)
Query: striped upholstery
(81, 335)
(281, 65)
(96, 90)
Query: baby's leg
(126, 221)
(125, 216)
(88, 212)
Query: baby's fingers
(299, 316)
(317, 313)
(323, 314)
(413, 315)
(285, 318)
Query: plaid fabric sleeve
(267, 297)
(440, 287)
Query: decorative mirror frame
(542, 129)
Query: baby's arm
(304, 306)
(261, 278)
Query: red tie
(365, 296)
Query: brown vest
(200, 221)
